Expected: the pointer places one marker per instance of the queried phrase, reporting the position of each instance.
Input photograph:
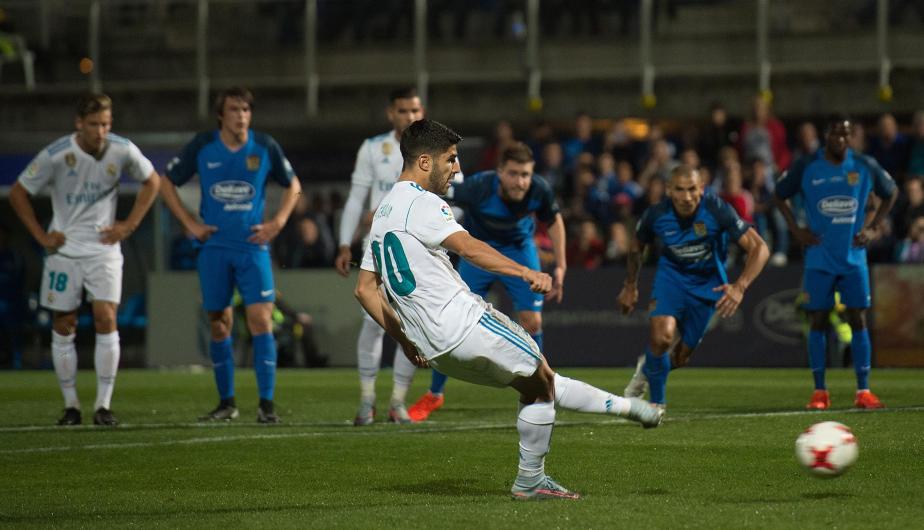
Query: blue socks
(437, 382)
(264, 364)
(656, 370)
(817, 346)
(223, 366)
(860, 349)
(538, 338)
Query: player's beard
(439, 182)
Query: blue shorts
(220, 269)
(480, 280)
(671, 297)
(819, 287)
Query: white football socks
(534, 423)
(64, 357)
(368, 357)
(577, 395)
(403, 376)
(106, 359)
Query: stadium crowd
(606, 172)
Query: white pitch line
(438, 428)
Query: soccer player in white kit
(82, 171)
(439, 322)
(378, 164)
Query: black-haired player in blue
(500, 209)
(234, 165)
(690, 283)
(835, 183)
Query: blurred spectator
(503, 138)
(619, 143)
(13, 306)
(184, 251)
(659, 164)
(890, 147)
(541, 134)
(763, 136)
(916, 151)
(858, 138)
(733, 193)
(807, 142)
(767, 220)
(910, 207)
(585, 251)
(306, 240)
(583, 141)
(689, 157)
(625, 182)
(654, 193)
(911, 249)
(728, 156)
(553, 167)
(718, 133)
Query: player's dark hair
(426, 137)
(517, 152)
(401, 93)
(235, 92)
(91, 103)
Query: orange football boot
(867, 400)
(820, 400)
(427, 403)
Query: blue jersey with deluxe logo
(232, 183)
(694, 247)
(500, 223)
(835, 205)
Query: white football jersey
(436, 308)
(84, 190)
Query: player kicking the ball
(431, 313)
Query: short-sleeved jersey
(378, 165)
(233, 183)
(436, 308)
(694, 248)
(84, 190)
(835, 204)
(500, 223)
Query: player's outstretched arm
(172, 200)
(263, 233)
(628, 296)
(143, 201)
(369, 293)
(557, 235)
(481, 254)
(733, 293)
(22, 205)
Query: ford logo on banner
(776, 317)
(838, 205)
(232, 191)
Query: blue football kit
(232, 185)
(834, 197)
(690, 267)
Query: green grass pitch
(722, 459)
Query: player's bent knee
(65, 323)
(531, 321)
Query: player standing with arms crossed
(234, 164)
(499, 208)
(690, 283)
(82, 243)
(836, 182)
(429, 310)
(378, 164)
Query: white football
(827, 449)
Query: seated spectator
(763, 136)
(911, 249)
(583, 141)
(553, 167)
(733, 193)
(807, 142)
(890, 147)
(768, 220)
(503, 137)
(916, 151)
(586, 250)
(659, 164)
(718, 133)
(910, 207)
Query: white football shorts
(494, 353)
(64, 280)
